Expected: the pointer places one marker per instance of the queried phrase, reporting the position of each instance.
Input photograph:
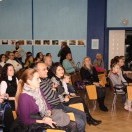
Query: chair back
(129, 92)
(91, 92)
(78, 106)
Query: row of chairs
(92, 93)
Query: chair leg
(94, 105)
(114, 103)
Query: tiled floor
(119, 121)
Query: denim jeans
(80, 116)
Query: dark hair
(28, 53)
(38, 55)
(4, 75)
(55, 66)
(48, 54)
(15, 51)
(2, 56)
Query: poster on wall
(55, 42)
(63, 42)
(81, 42)
(46, 42)
(95, 44)
(37, 42)
(72, 42)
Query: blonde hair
(83, 62)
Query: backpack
(3, 107)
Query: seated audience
(73, 98)
(40, 56)
(124, 69)
(99, 63)
(9, 83)
(68, 64)
(120, 83)
(59, 73)
(18, 58)
(29, 62)
(48, 61)
(2, 60)
(15, 64)
(89, 74)
(33, 109)
(20, 50)
(48, 92)
(48, 54)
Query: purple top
(26, 107)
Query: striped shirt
(49, 94)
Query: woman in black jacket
(58, 71)
(89, 74)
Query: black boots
(101, 104)
(92, 121)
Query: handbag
(3, 107)
(60, 117)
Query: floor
(118, 121)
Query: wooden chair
(116, 92)
(92, 94)
(72, 116)
(78, 106)
(53, 130)
(129, 92)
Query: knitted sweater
(48, 93)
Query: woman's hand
(96, 84)
(55, 85)
(1, 98)
(66, 99)
(49, 121)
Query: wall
(44, 19)
(96, 27)
(15, 19)
(117, 10)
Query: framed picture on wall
(21, 42)
(55, 42)
(12, 42)
(72, 42)
(38, 42)
(46, 42)
(81, 42)
(29, 42)
(63, 41)
(4, 42)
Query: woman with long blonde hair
(89, 74)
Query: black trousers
(78, 100)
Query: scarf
(39, 100)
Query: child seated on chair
(120, 84)
(68, 88)
(73, 98)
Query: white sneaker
(126, 107)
